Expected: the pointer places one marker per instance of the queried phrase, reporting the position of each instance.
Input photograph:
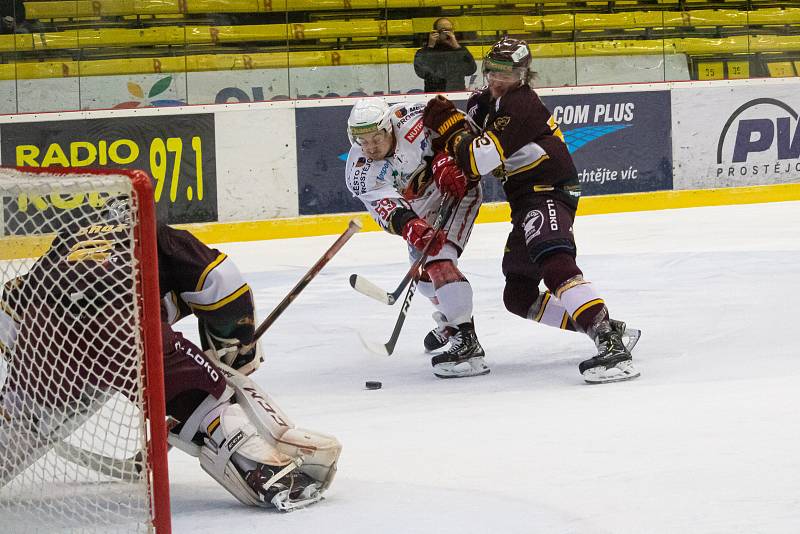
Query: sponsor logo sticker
(532, 225)
(414, 131)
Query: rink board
(276, 169)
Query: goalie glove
(419, 234)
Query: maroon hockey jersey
(518, 142)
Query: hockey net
(82, 430)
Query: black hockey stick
(364, 286)
(352, 228)
(386, 349)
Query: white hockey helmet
(367, 116)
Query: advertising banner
(620, 143)
(178, 152)
(737, 135)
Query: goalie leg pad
(235, 450)
(319, 453)
(272, 441)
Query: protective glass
(502, 76)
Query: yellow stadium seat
(101, 8)
(780, 69)
(738, 70)
(710, 70)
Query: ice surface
(704, 442)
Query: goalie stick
(125, 469)
(353, 227)
(365, 287)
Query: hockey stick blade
(365, 287)
(127, 470)
(386, 349)
(380, 349)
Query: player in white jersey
(389, 170)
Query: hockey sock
(455, 302)
(582, 302)
(550, 311)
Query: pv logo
(762, 137)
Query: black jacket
(444, 68)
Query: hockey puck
(373, 385)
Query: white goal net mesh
(73, 434)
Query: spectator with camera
(443, 63)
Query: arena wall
(275, 169)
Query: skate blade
(283, 503)
(471, 367)
(618, 373)
(631, 337)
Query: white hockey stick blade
(375, 348)
(127, 470)
(365, 287)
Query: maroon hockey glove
(448, 177)
(442, 117)
(419, 233)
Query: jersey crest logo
(360, 162)
(532, 225)
(414, 131)
(501, 122)
(400, 113)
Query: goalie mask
(370, 127)
(508, 61)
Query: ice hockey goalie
(65, 317)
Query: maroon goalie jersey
(75, 314)
(75, 306)
(520, 143)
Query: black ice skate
(439, 336)
(630, 336)
(613, 362)
(463, 358)
(286, 491)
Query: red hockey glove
(442, 117)
(448, 177)
(419, 233)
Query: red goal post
(82, 412)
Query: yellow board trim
(15, 247)
(311, 225)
